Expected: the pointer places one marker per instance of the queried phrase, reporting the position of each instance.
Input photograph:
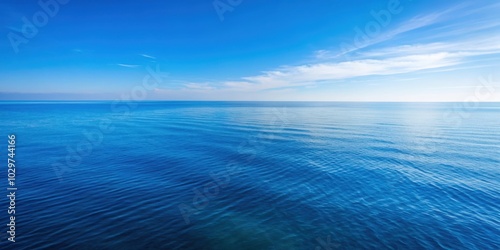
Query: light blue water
(226, 175)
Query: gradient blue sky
(318, 50)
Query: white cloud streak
(440, 54)
(128, 65)
(148, 56)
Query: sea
(250, 175)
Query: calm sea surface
(253, 175)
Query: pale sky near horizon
(319, 50)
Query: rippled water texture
(242, 175)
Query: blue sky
(252, 50)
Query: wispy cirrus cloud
(441, 24)
(400, 51)
(486, 44)
(148, 56)
(199, 86)
(324, 72)
(311, 74)
(128, 65)
(388, 60)
(362, 40)
(384, 61)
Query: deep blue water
(244, 175)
